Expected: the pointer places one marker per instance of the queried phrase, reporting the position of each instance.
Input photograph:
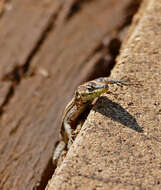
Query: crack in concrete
(46, 175)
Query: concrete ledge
(119, 144)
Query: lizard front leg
(69, 122)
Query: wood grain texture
(21, 29)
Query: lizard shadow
(117, 113)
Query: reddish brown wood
(21, 28)
(4, 89)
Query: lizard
(83, 97)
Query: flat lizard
(84, 96)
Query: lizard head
(88, 91)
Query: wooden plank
(2, 6)
(18, 21)
(22, 27)
(29, 125)
(4, 90)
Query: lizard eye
(91, 86)
(77, 95)
(90, 89)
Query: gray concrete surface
(119, 146)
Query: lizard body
(84, 95)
